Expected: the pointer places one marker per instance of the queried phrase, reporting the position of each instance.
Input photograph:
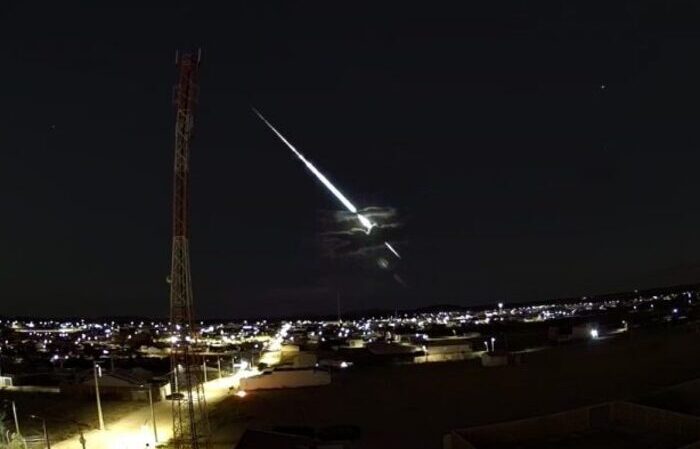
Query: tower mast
(190, 423)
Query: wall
(286, 379)
(656, 420)
(623, 414)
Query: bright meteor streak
(391, 248)
(321, 177)
(364, 221)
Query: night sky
(532, 150)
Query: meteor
(321, 177)
(364, 221)
(391, 248)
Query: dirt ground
(413, 406)
(60, 411)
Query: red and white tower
(189, 408)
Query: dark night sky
(517, 176)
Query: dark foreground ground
(413, 406)
(62, 413)
(601, 439)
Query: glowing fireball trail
(391, 248)
(366, 222)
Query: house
(129, 385)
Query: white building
(286, 378)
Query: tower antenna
(189, 407)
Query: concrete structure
(152, 351)
(583, 331)
(446, 349)
(561, 334)
(265, 439)
(286, 348)
(304, 360)
(259, 439)
(286, 378)
(270, 358)
(291, 358)
(355, 343)
(382, 348)
(612, 424)
(493, 359)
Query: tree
(8, 438)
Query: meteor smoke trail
(366, 222)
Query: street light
(153, 412)
(97, 372)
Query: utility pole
(19, 434)
(97, 372)
(218, 362)
(46, 434)
(337, 299)
(153, 412)
(14, 415)
(189, 411)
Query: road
(135, 430)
